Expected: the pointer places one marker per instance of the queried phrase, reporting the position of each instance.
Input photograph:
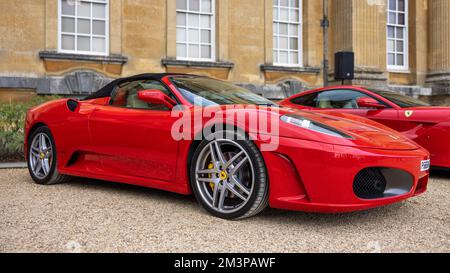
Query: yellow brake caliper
(210, 167)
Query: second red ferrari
(428, 126)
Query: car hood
(362, 132)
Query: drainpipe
(325, 24)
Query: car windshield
(399, 99)
(202, 91)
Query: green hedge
(12, 117)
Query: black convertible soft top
(107, 90)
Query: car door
(345, 100)
(133, 137)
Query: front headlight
(315, 126)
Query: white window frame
(91, 35)
(276, 50)
(213, 33)
(405, 66)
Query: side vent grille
(375, 183)
(370, 184)
(72, 105)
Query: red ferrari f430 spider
(127, 132)
(428, 126)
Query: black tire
(259, 196)
(53, 177)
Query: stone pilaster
(268, 31)
(171, 32)
(51, 24)
(439, 46)
(369, 33)
(312, 33)
(222, 27)
(420, 38)
(115, 27)
(341, 31)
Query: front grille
(370, 184)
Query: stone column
(439, 46)
(360, 26)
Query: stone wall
(143, 34)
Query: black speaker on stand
(344, 66)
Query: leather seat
(134, 102)
(351, 105)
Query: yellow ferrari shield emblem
(408, 114)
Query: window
(83, 27)
(309, 100)
(399, 99)
(126, 95)
(202, 91)
(287, 32)
(397, 34)
(340, 99)
(195, 30)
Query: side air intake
(72, 105)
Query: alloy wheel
(41, 155)
(225, 176)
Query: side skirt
(148, 183)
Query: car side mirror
(370, 103)
(156, 97)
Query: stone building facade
(273, 47)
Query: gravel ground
(94, 216)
